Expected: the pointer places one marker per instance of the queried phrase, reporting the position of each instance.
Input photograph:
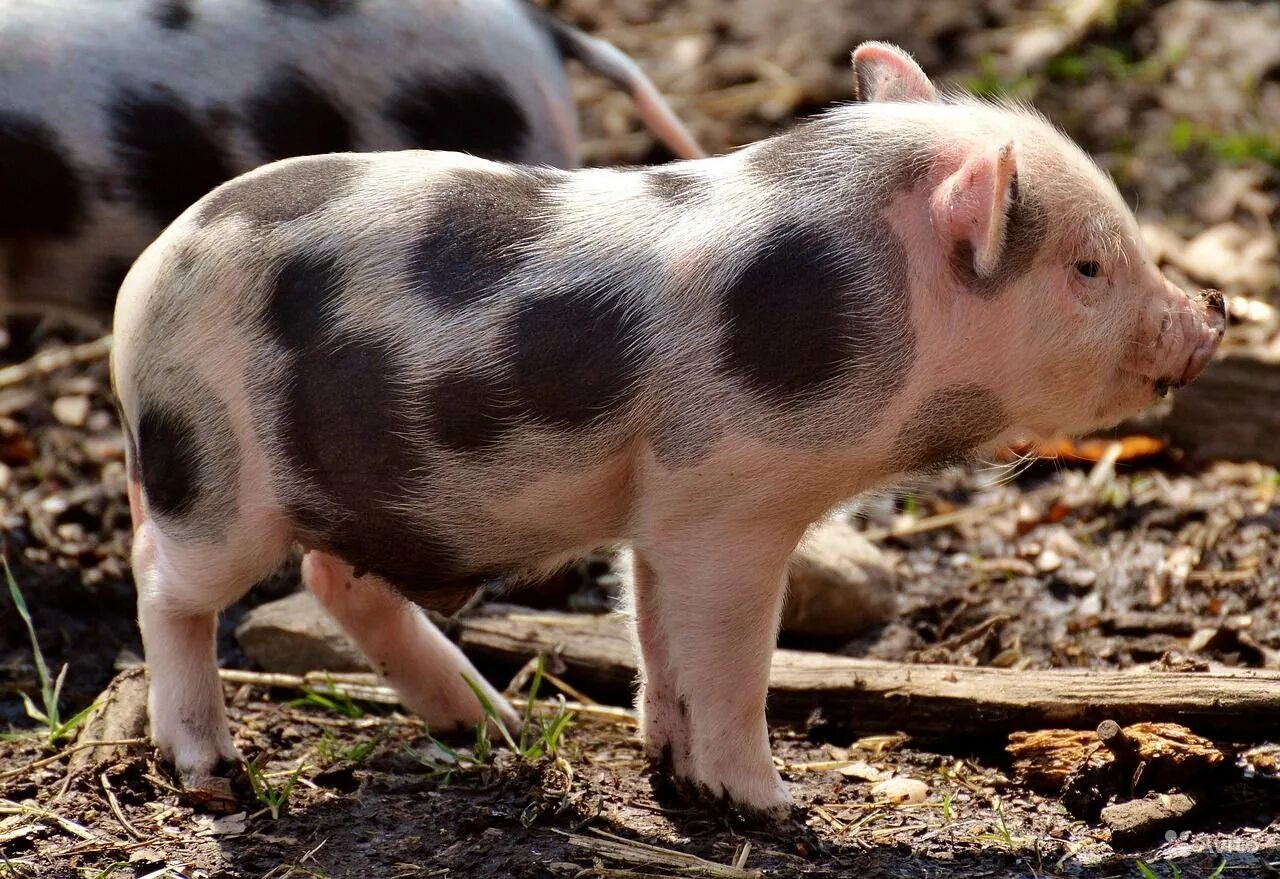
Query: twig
(621, 849)
(969, 635)
(957, 517)
(57, 358)
(368, 692)
(519, 679)
(78, 746)
(351, 685)
(9, 807)
(115, 807)
(624, 716)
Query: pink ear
(886, 73)
(972, 205)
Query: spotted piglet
(117, 116)
(430, 370)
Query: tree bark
(927, 700)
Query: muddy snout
(1204, 325)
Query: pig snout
(1189, 336)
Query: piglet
(116, 116)
(432, 370)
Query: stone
(72, 411)
(295, 635)
(901, 791)
(839, 584)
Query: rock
(72, 411)
(901, 791)
(839, 584)
(1136, 820)
(294, 636)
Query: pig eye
(1089, 268)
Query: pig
(115, 117)
(431, 371)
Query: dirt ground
(1046, 564)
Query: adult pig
(431, 370)
(116, 116)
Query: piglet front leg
(718, 601)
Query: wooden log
(926, 700)
(1231, 412)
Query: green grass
(988, 82)
(1227, 146)
(55, 727)
(274, 797)
(331, 751)
(1003, 837)
(331, 700)
(538, 737)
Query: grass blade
(492, 713)
(16, 594)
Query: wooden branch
(54, 359)
(870, 696)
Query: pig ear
(971, 207)
(886, 73)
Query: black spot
(464, 112)
(107, 278)
(173, 15)
(675, 187)
(321, 9)
(469, 411)
(1025, 230)
(576, 354)
(304, 290)
(345, 429)
(788, 315)
(290, 116)
(170, 160)
(951, 423)
(282, 192)
(170, 461)
(39, 190)
(475, 239)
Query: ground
(1091, 564)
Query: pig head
(1033, 297)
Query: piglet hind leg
(427, 669)
(181, 588)
(663, 720)
(720, 601)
